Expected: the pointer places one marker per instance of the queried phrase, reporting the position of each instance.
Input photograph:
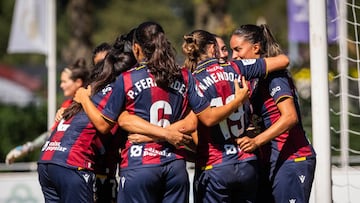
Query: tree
(80, 17)
(212, 15)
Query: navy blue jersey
(159, 106)
(291, 144)
(76, 142)
(217, 144)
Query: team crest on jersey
(292, 200)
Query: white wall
(23, 187)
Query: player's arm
(214, 115)
(176, 134)
(286, 121)
(22, 150)
(101, 123)
(276, 63)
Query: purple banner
(298, 20)
(331, 21)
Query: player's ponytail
(270, 46)
(159, 53)
(195, 47)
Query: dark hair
(262, 35)
(159, 53)
(195, 47)
(103, 47)
(78, 70)
(119, 59)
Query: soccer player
(68, 158)
(72, 77)
(224, 173)
(158, 91)
(287, 159)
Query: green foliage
(273, 12)
(19, 125)
(115, 19)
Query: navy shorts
(61, 184)
(290, 181)
(105, 189)
(167, 184)
(227, 183)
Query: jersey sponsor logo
(154, 152)
(135, 151)
(106, 89)
(248, 61)
(53, 146)
(302, 178)
(275, 90)
(230, 149)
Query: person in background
(72, 77)
(287, 159)
(224, 173)
(66, 166)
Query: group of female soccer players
(237, 119)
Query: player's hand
(82, 94)
(241, 93)
(17, 152)
(59, 114)
(178, 138)
(247, 144)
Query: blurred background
(83, 24)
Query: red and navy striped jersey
(293, 143)
(107, 161)
(159, 106)
(65, 104)
(217, 144)
(75, 142)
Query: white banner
(28, 29)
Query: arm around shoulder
(279, 62)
